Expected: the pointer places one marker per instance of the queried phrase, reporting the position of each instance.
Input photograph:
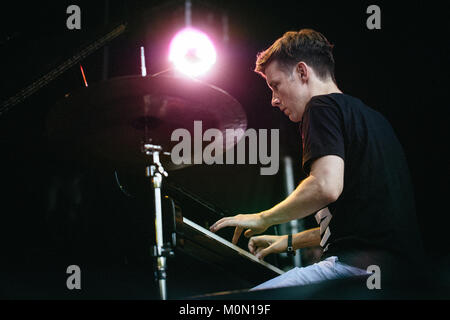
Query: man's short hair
(306, 45)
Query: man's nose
(275, 101)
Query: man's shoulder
(347, 104)
(336, 99)
(323, 100)
(327, 103)
(333, 100)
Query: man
(358, 183)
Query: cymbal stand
(161, 251)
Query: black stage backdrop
(55, 212)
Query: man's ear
(302, 70)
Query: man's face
(290, 92)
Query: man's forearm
(307, 238)
(306, 199)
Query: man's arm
(322, 187)
(305, 239)
(261, 246)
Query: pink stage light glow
(192, 52)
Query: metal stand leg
(161, 260)
(160, 251)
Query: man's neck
(326, 87)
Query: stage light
(192, 52)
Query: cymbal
(113, 119)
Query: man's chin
(293, 118)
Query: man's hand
(254, 223)
(261, 246)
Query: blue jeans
(327, 269)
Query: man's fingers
(251, 246)
(228, 222)
(213, 228)
(258, 241)
(248, 233)
(258, 250)
(237, 234)
(255, 244)
(222, 223)
(264, 252)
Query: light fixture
(192, 52)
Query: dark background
(55, 212)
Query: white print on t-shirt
(323, 218)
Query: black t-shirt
(374, 220)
